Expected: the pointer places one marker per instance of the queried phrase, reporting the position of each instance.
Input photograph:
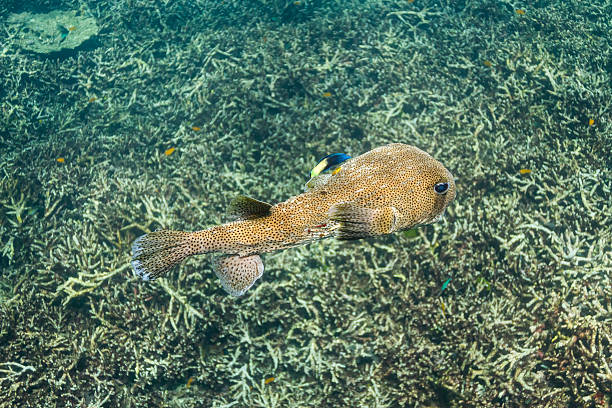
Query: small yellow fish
(268, 380)
(71, 28)
(189, 382)
(92, 99)
(196, 128)
(391, 188)
(520, 12)
(591, 122)
(327, 94)
(60, 160)
(487, 63)
(169, 151)
(524, 171)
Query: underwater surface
(121, 117)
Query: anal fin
(357, 222)
(238, 273)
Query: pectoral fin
(359, 222)
(238, 273)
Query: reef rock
(53, 32)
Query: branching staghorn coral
(524, 319)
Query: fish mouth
(435, 219)
(438, 217)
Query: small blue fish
(444, 285)
(329, 164)
(63, 32)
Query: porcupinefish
(390, 188)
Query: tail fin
(156, 253)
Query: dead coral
(250, 97)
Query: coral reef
(250, 94)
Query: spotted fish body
(388, 189)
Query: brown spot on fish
(391, 188)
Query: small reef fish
(330, 163)
(444, 285)
(391, 188)
(169, 151)
(63, 32)
(524, 171)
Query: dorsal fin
(247, 208)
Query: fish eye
(441, 188)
